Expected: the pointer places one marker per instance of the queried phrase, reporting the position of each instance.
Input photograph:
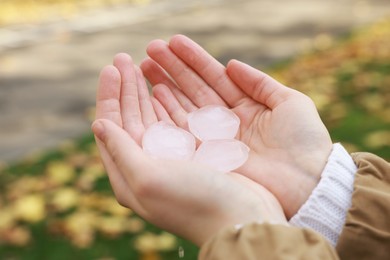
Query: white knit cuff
(326, 208)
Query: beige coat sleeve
(366, 234)
(266, 241)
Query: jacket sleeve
(266, 241)
(366, 233)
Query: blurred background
(55, 201)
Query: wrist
(305, 174)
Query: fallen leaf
(149, 242)
(378, 139)
(80, 228)
(134, 225)
(166, 242)
(16, 236)
(60, 172)
(111, 226)
(146, 242)
(25, 185)
(7, 218)
(64, 199)
(30, 208)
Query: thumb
(257, 84)
(121, 147)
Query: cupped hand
(179, 196)
(289, 143)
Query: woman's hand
(289, 143)
(179, 196)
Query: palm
(157, 189)
(265, 130)
(206, 193)
(277, 142)
(288, 141)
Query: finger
(108, 107)
(208, 68)
(193, 86)
(148, 115)
(258, 85)
(108, 95)
(121, 190)
(175, 111)
(130, 108)
(156, 75)
(124, 158)
(161, 113)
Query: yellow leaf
(80, 222)
(166, 242)
(89, 175)
(149, 242)
(111, 226)
(7, 218)
(146, 242)
(134, 225)
(30, 208)
(60, 173)
(65, 198)
(91, 200)
(94, 170)
(80, 228)
(378, 139)
(24, 185)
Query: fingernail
(98, 129)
